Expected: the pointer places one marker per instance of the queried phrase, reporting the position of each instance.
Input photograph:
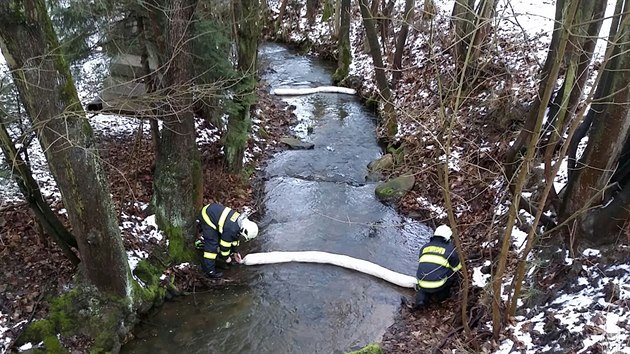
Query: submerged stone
(297, 144)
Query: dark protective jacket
(437, 263)
(223, 221)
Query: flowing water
(314, 200)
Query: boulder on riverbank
(395, 188)
(378, 166)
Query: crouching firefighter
(437, 268)
(221, 228)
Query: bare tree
(390, 123)
(401, 40)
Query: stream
(314, 200)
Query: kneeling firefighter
(437, 267)
(221, 228)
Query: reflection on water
(315, 200)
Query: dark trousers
(210, 247)
(426, 296)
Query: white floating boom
(310, 90)
(359, 265)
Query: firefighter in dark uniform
(437, 266)
(221, 228)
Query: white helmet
(443, 231)
(249, 229)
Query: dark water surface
(314, 200)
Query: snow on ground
(595, 313)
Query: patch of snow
(562, 177)
(453, 160)
(436, 210)
(185, 265)
(519, 239)
(589, 252)
(4, 339)
(479, 279)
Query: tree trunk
(239, 124)
(337, 20)
(401, 40)
(586, 124)
(390, 123)
(482, 27)
(343, 43)
(283, 9)
(30, 189)
(462, 23)
(31, 49)
(429, 11)
(177, 161)
(312, 6)
(609, 133)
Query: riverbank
(35, 270)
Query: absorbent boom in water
(359, 265)
(311, 90)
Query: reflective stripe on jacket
(438, 261)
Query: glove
(199, 244)
(238, 258)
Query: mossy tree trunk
(389, 122)
(36, 202)
(46, 89)
(177, 160)
(239, 124)
(343, 43)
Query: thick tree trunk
(401, 40)
(177, 160)
(47, 91)
(609, 133)
(239, 124)
(586, 124)
(30, 189)
(343, 43)
(390, 123)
